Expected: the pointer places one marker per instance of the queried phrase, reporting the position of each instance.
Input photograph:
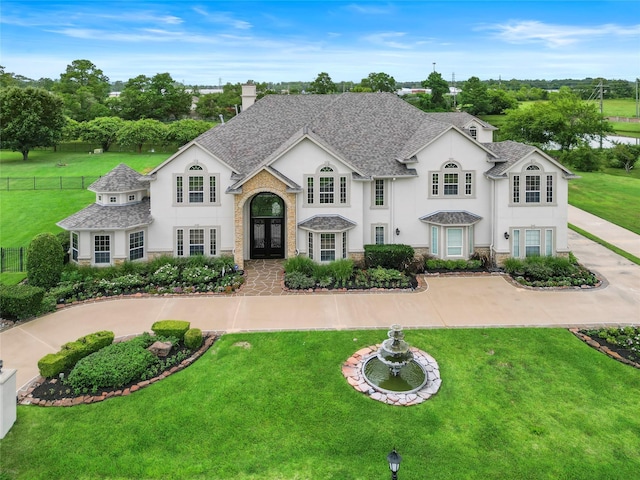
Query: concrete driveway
(489, 301)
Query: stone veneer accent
(352, 371)
(263, 182)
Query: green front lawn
(611, 197)
(514, 404)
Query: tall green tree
(84, 88)
(139, 132)
(101, 130)
(565, 120)
(439, 91)
(379, 82)
(474, 98)
(30, 117)
(183, 131)
(158, 97)
(322, 84)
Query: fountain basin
(410, 378)
(353, 371)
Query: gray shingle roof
(369, 131)
(508, 152)
(109, 217)
(459, 119)
(456, 217)
(121, 179)
(333, 223)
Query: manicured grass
(514, 404)
(46, 163)
(612, 197)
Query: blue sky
(205, 42)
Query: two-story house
(324, 175)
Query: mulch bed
(51, 392)
(623, 355)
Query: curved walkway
(487, 301)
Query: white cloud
(386, 39)
(531, 31)
(223, 18)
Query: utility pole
(637, 98)
(434, 67)
(455, 91)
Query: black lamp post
(394, 463)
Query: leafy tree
(439, 90)
(29, 117)
(474, 98)
(140, 132)
(565, 120)
(71, 130)
(583, 158)
(158, 97)
(624, 156)
(183, 131)
(101, 130)
(500, 101)
(379, 82)
(212, 105)
(84, 87)
(322, 84)
(45, 261)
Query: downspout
(392, 231)
(493, 222)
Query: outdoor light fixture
(397, 231)
(506, 235)
(394, 463)
(1, 363)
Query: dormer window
(132, 197)
(473, 131)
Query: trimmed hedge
(394, 256)
(71, 353)
(45, 261)
(20, 301)
(171, 328)
(193, 338)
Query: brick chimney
(248, 95)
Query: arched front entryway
(267, 225)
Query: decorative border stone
(352, 371)
(602, 348)
(25, 397)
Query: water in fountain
(393, 368)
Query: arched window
(451, 181)
(530, 188)
(201, 186)
(331, 187)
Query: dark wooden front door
(267, 226)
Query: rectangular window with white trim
(191, 241)
(102, 249)
(327, 188)
(136, 245)
(532, 242)
(454, 242)
(532, 187)
(452, 182)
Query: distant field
(45, 163)
(25, 213)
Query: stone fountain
(393, 372)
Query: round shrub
(112, 367)
(45, 261)
(193, 338)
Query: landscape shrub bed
(622, 338)
(20, 301)
(440, 265)
(302, 273)
(160, 276)
(549, 272)
(117, 366)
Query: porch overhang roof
(327, 223)
(452, 217)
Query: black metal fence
(13, 259)
(46, 183)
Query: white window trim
(385, 230)
(337, 176)
(439, 241)
(517, 241)
(75, 246)
(206, 183)
(186, 246)
(340, 239)
(522, 187)
(462, 181)
(93, 249)
(462, 242)
(144, 245)
(385, 193)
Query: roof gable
(510, 153)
